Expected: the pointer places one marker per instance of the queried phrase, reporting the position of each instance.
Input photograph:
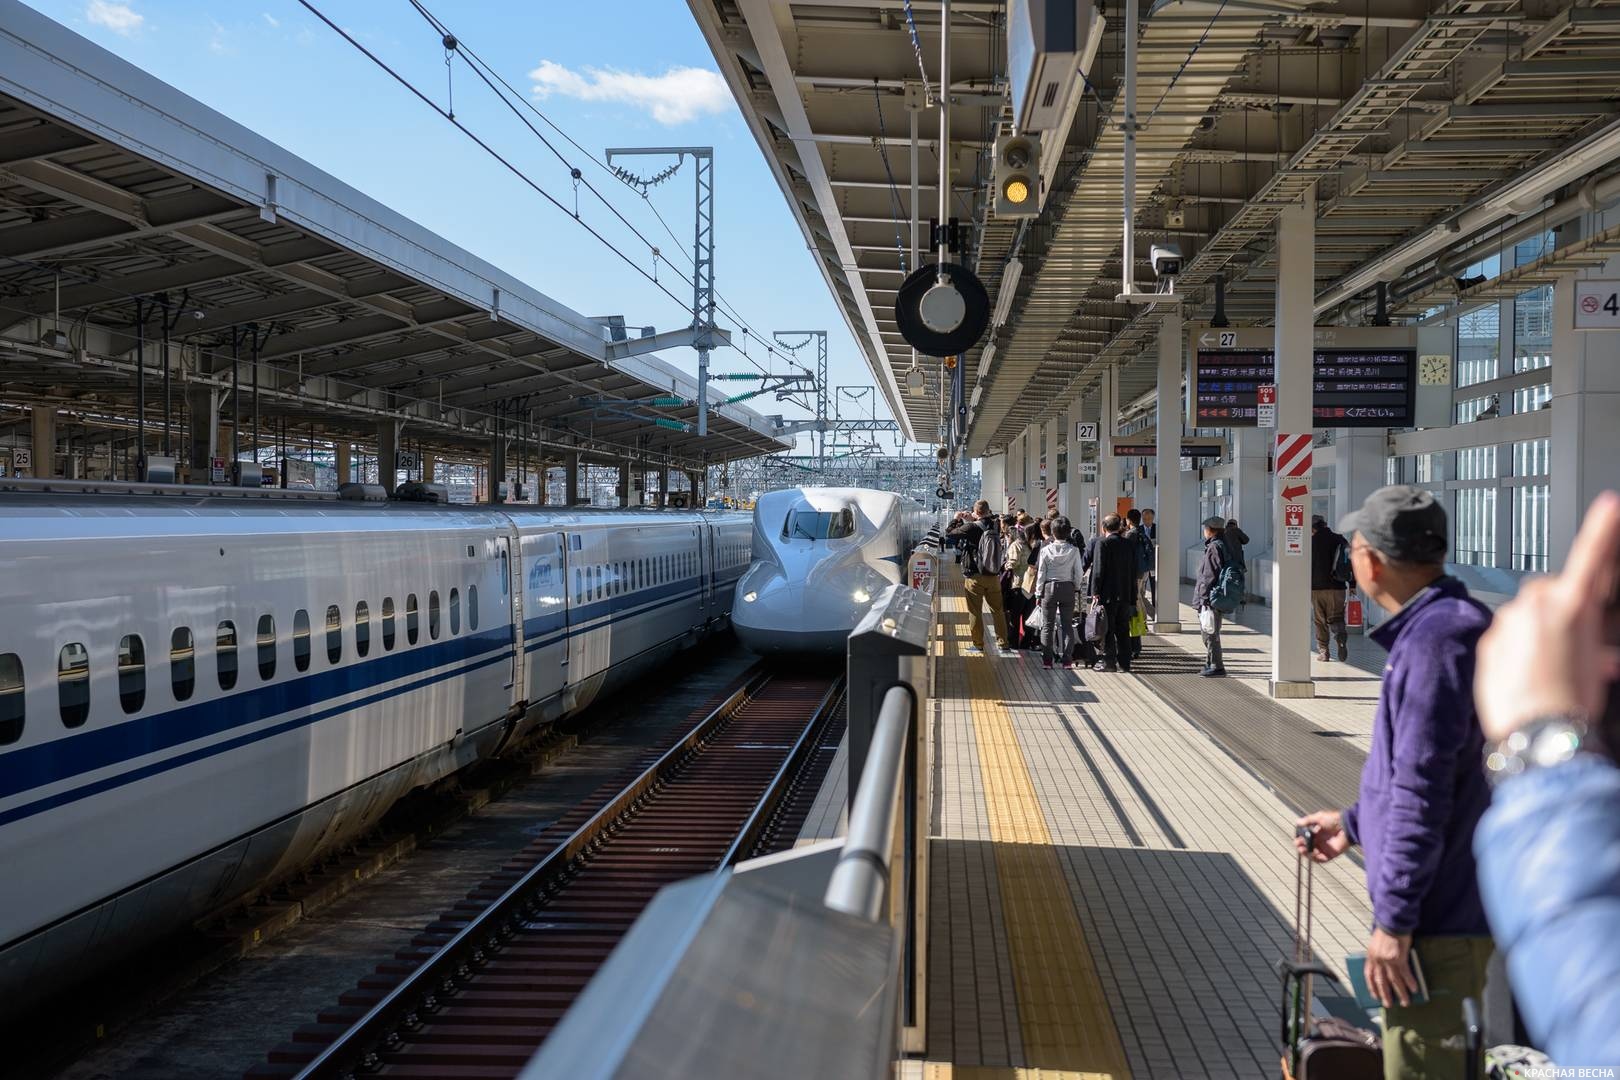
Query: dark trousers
(1212, 643)
(1057, 618)
(1117, 646)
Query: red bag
(1352, 612)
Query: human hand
(1328, 837)
(1546, 651)
(1389, 976)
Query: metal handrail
(861, 878)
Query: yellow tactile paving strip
(1065, 1024)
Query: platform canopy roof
(117, 190)
(1422, 127)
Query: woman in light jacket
(1057, 581)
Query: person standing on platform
(1137, 535)
(1210, 564)
(1549, 847)
(1057, 582)
(1113, 584)
(1032, 537)
(984, 553)
(1423, 787)
(1014, 600)
(1235, 539)
(1330, 576)
(1150, 594)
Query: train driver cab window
(131, 673)
(301, 640)
(73, 684)
(334, 634)
(266, 640)
(472, 605)
(362, 628)
(225, 654)
(455, 612)
(182, 663)
(433, 614)
(11, 698)
(412, 627)
(388, 623)
(818, 524)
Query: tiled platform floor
(1110, 888)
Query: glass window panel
(411, 617)
(131, 673)
(1532, 457)
(1532, 329)
(182, 663)
(362, 628)
(301, 640)
(267, 646)
(225, 654)
(1474, 543)
(73, 684)
(388, 623)
(12, 698)
(1479, 345)
(334, 634)
(455, 612)
(1530, 505)
(433, 614)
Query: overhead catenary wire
(490, 76)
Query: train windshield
(818, 524)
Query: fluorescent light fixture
(985, 357)
(1009, 288)
(973, 402)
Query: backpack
(1343, 572)
(1227, 594)
(1144, 552)
(992, 552)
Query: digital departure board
(1354, 387)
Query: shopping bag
(1138, 623)
(1206, 620)
(1352, 612)
(1035, 619)
(1096, 622)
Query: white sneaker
(1006, 653)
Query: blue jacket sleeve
(1434, 716)
(1548, 852)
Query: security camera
(1167, 260)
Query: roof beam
(121, 290)
(92, 228)
(40, 141)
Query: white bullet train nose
(788, 618)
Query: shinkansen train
(199, 695)
(820, 556)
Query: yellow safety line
(1063, 1015)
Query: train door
(545, 614)
(706, 532)
(512, 610)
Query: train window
(131, 673)
(455, 612)
(11, 698)
(472, 607)
(225, 654)
(433, 614)
(334, 634)
(267, 646)
(301, 640)
(388, 623)
(577, 586)
(818, 524)
(411, 620)
(73, 683)
(362, 628)
(506, 571)
(182, 663)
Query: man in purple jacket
(1423, 788)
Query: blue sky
(619, 73)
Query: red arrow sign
(1298, 491)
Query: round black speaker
(941, 320)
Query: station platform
(1111, 874)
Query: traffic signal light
(1018, 177)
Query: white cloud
(275, 23)
(119, 18)
(219, 42)
(677, 96)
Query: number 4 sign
(1597, 305)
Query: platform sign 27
(1597, 305)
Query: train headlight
(750, 597)
(862, 596)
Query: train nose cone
(785, 618)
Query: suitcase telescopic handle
(1306, 833)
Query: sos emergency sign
(1597, 305)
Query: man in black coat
(1210, 565)
(1113, 584)
(1327, 588)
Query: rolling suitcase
(1329, 1048)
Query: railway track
(483, 986)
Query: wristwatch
(1540, 744)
